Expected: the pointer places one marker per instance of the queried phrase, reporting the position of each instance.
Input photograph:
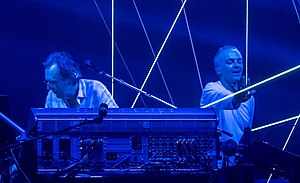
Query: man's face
(231, 66)
(55, 81)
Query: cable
(71, 167)
(18, 165)
(75, 164)
(141, 166)
(121, 161)
(152, 157)
(158, 54)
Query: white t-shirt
(230, 119)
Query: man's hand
(244, 96)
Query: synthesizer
(127, 141)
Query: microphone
(91, 65)
(102, 113)
(225, 132)
(103, 110)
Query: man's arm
(213, 92)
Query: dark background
(31, 29)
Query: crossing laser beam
(253, 86)
(275, 123)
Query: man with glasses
(67, 89)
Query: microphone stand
(14, 125)
(133, 88)
(5, 169)
(96, 120)
(225, 132)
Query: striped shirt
(91, 94)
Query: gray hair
(69, 69)
(217, 59)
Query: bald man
(235, 113)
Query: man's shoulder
(51, 95)
(91, 83)
(215, 84)
(215, 87)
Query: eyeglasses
(50, 83)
